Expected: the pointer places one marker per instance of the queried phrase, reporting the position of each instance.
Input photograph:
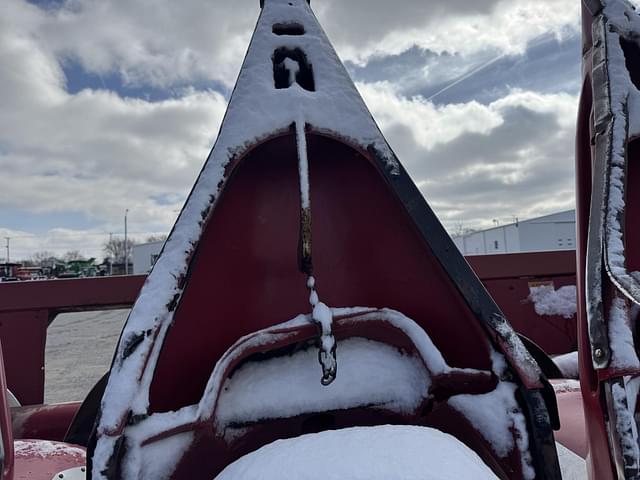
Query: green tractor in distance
(79, 268)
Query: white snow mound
(387, 452)
(549, 301)
(369, 373)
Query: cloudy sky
(109, 105)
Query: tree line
(115, 251)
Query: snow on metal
(549, 301)
(46, 449)
(371, 373)
(496, 415)
(620, 25)
(256, 111)
(616, 108)
(375, 453)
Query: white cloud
(164, 43)
(428, 123)
(362, 28)
(478, 162)
(94, 152)
(151, 42)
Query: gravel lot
(79, 350)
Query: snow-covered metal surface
(496, 415)
(623, 429)
(616, 106)
(256, 111)
(398, 381)
(623, 351)
(46, 449)
(372, 453)
(621, 23)
(371, 373)
(291, 80)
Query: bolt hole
(284, 59)
(288, 29)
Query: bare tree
(156, 238)
(43, 258)
(72, 255)
(459, 230)
(115, 249)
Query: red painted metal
(212, 453)
(27, 309)
(508, 278)
(572, 433)
(600, 463)
(551, 264)
(69, 295)
(366, 252)
(31, 459)
(42, 460)
(45, 422)
(6, 433)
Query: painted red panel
(245, 275)
(42, 460)
(46, 422)
(23, 336)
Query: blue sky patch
(547, 66)
(78, 79)
(40, 223)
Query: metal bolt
(599, 353)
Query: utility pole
(110, 257)
(7, 239)
(126, 245)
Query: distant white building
(551, 232)
(145, 256)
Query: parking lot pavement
(79, 350)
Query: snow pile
(363, 453)
(568, 364)
(549, 301)
(371, 373)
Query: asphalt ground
(79, 350)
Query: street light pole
(8, 238)
(126, 245)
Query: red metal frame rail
(28, 308)
(508, 278)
